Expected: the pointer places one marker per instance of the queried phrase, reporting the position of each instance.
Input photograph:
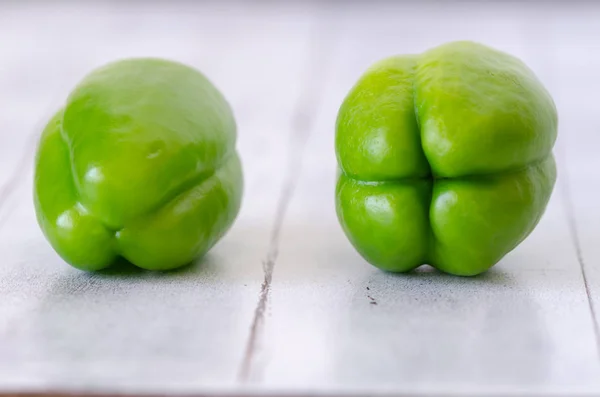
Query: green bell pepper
(445, 158)
(140, 163)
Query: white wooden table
(283, 303)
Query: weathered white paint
(524, 326)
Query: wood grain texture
(127, 330)
(283, 305)
(522, 327)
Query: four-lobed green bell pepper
(445, 158)
(140, 163)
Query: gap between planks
(573, 231)
(302, 123)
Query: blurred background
(305, 321)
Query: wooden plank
(576, 61)
(62, 329)
(525, 326)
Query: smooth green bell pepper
(445, 158)
(140, 163)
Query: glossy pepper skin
(140, 163)
(445, 158)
